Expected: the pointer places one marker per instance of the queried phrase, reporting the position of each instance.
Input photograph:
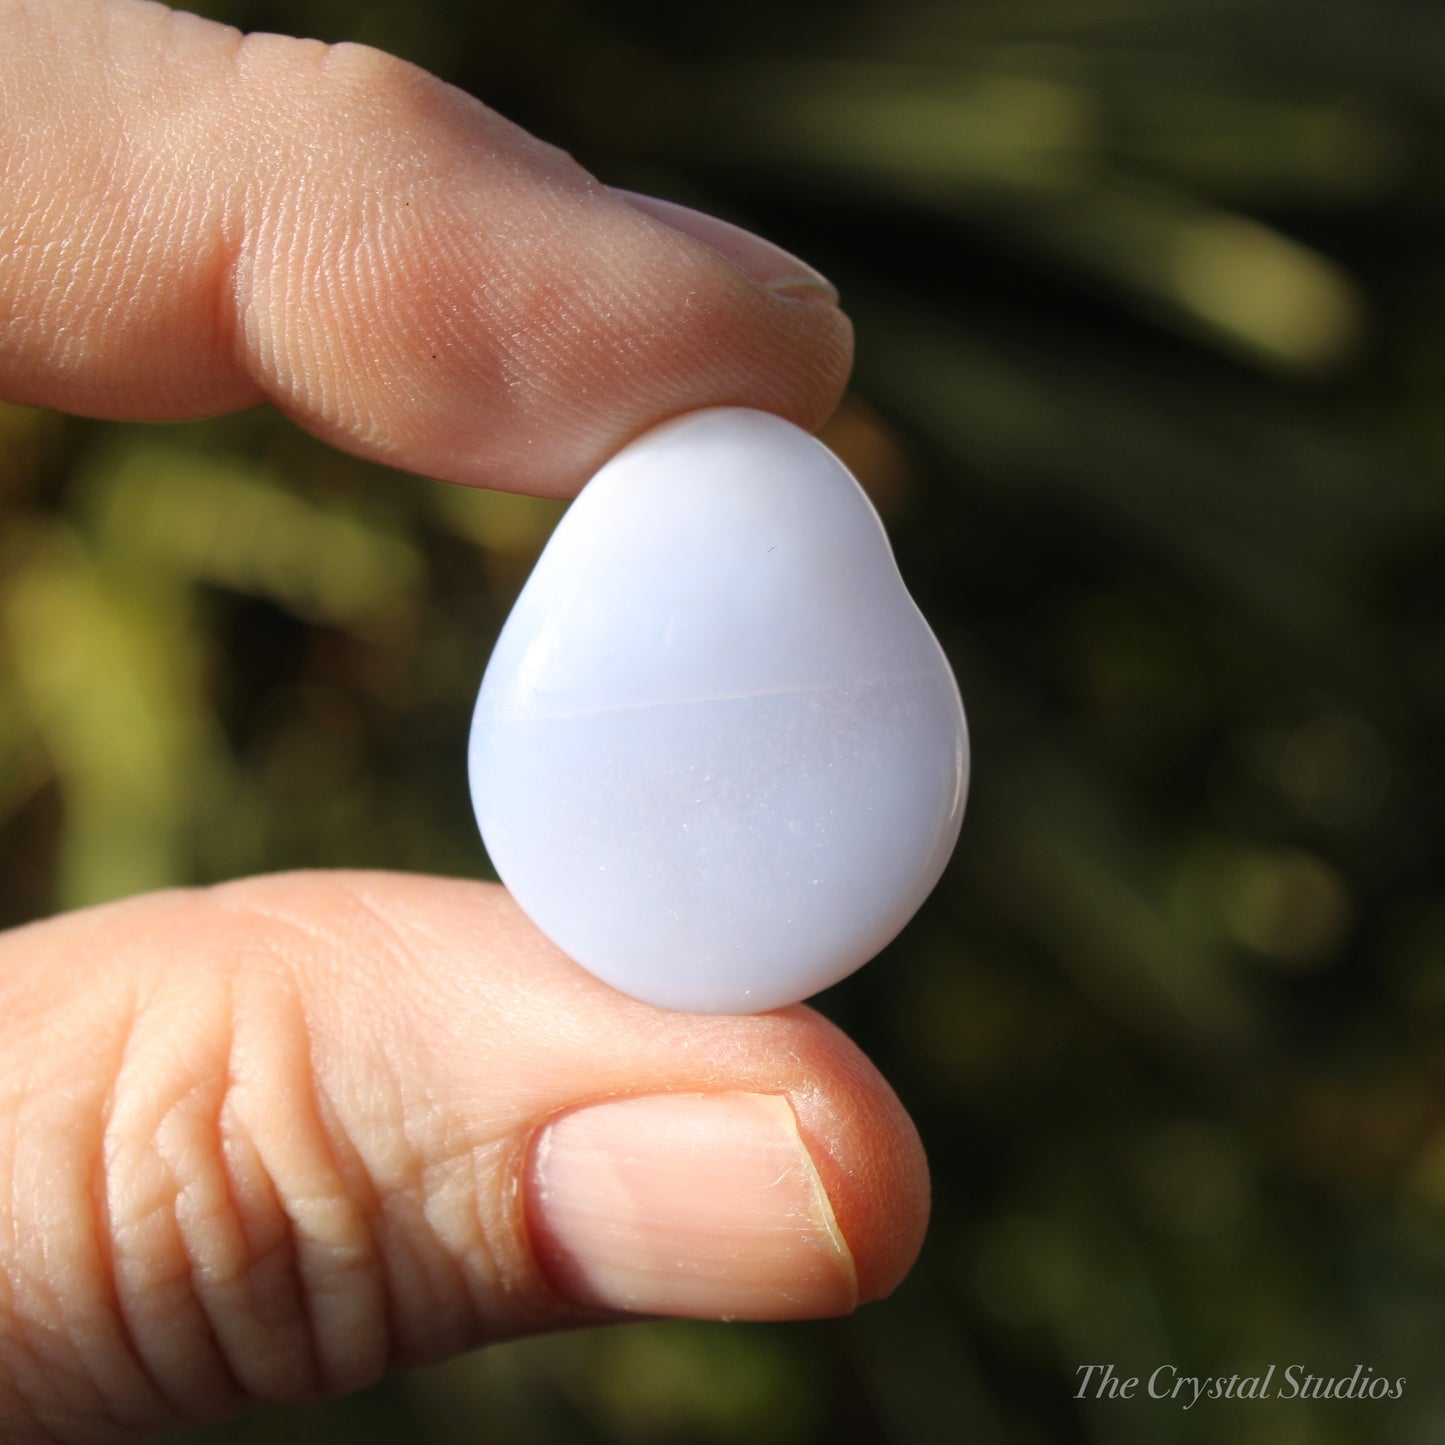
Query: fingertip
(575, 1046)
(868, 1154)
(491, 1002)
(397, 267)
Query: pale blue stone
(718, 756)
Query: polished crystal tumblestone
(718, 756)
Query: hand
(265, 1141)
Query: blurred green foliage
(1151, 314)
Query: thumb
(192, 221)
(265, 1141)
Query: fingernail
(779, 270)
(704, 1206)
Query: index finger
(193, 221)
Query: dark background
(1150, 298)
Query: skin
(269, 1140)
